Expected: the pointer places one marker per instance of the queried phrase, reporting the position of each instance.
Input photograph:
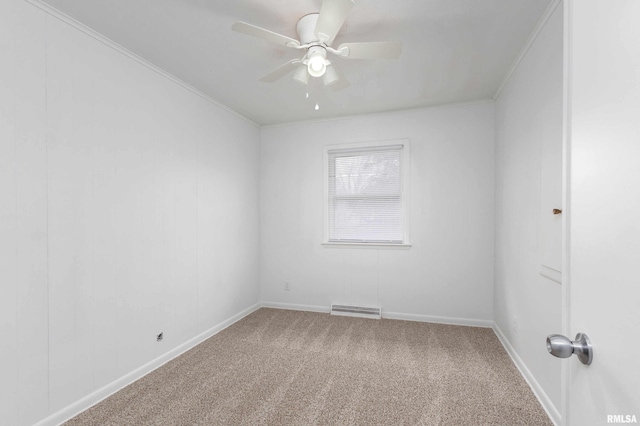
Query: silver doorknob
(562, 347)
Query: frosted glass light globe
(316, 65)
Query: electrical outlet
(287, 287)
(159, 337)
(514, 324)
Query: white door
(602, 76)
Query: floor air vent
(356, 311)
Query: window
(365, 187)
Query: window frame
(406, 186)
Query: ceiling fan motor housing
(317, 53)
(306, 28)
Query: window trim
(406, 191)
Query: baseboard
(546, 403)
(90, 400)
(437, 319)
(296, 307)
(387, 315)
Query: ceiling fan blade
(281, 71)
(252, 30)
(373, 50)
(333, 13)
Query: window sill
(372, 245)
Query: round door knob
(562, 347)
(559, 346)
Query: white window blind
(365, 195)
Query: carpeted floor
(278, 367)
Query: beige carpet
(281, 367)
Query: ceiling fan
(316, 32)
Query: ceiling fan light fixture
(316, 66)
(301, 75)
(330, 76)
(317, 62)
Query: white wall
(528, 186)
(128, 206)
(448, 272)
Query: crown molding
(377, 114)
(52, 11)
(532, 38)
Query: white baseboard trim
(546, 403)
(296, 307)
(387, 315)
(92, 399)
(438, 320)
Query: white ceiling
(454, 50)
